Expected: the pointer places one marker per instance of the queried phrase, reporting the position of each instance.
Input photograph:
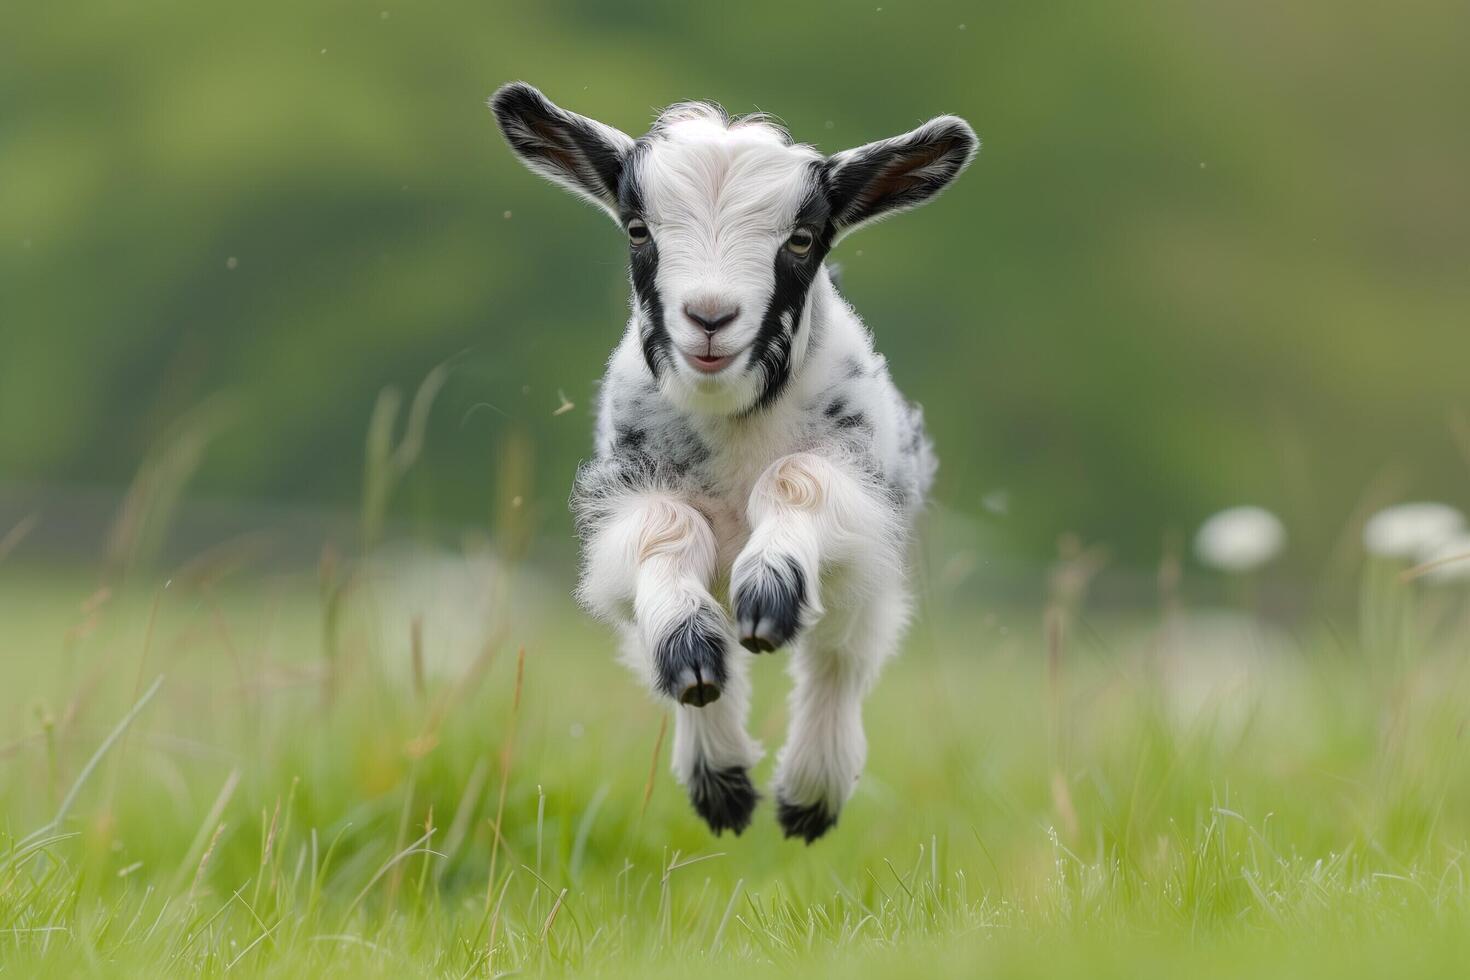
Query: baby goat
(750, 441)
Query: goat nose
(711, 314)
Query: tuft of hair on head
(692, 111)
(716, 114)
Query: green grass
(293, 802)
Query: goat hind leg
(659, 552)
(833, 669)
(713, 754)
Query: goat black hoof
(695, 691)
(755, 638)
(724, 798)
(805, 821)
(690, 660)
(768, 605)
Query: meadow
(428, 764)
(1210, 255)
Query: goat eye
(801, 241)
(638, 232)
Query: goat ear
(871, 182)
(581, 154)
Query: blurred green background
(1210, 253)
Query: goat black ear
(871, 182)
(580, 154)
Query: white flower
(1411, 531)
(1240, 539)
(1455, 554)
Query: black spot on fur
(806, 822)
(854, 421)
(768, 606)
(692, 653)
(835, 408)
(724, 798)
(630, 437)
(686, 450)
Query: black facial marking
(643, 271)
(807, 822)
(856, 420)
(771, 351)
(690, 661)
(725, 798)
(768, 605)
(835, 408)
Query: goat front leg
(808, 513)
(654, 554)
(823, 572)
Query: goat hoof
(724, 798)
(768, 604)
(754, 638)
(695, 691)
(690, 661)
(807, 821)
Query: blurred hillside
(1210, 253)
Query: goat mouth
(705, 364)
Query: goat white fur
(750, 442)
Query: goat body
(752, 452)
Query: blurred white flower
(1411, 531)
(1455, 555)
(457, 603)
(1240, 539)
(997, 501)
